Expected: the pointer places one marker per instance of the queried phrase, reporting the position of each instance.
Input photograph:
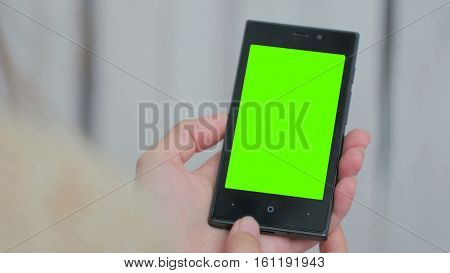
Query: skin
(244, 237)
(186, 195)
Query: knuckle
(140, 162)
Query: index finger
(191, 136)
(356, 138)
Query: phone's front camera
(319, 37)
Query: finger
(356, 138)
(335, 243)
(343, 199)
(191, 136)
(209, 168)
(351, 162)
(244, 237)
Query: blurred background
(84, 66)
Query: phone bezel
(291, 216)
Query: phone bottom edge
(291, 233)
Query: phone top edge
(355, 34)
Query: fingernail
(363, 151)
(248, 224)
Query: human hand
(184, 196)
(244, 237)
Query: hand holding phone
(178, 199)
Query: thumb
(244, 237)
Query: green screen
(285, 124)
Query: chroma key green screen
(283, 138)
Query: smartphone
(285, 130)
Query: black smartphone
(285, 129)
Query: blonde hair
(46, 174)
